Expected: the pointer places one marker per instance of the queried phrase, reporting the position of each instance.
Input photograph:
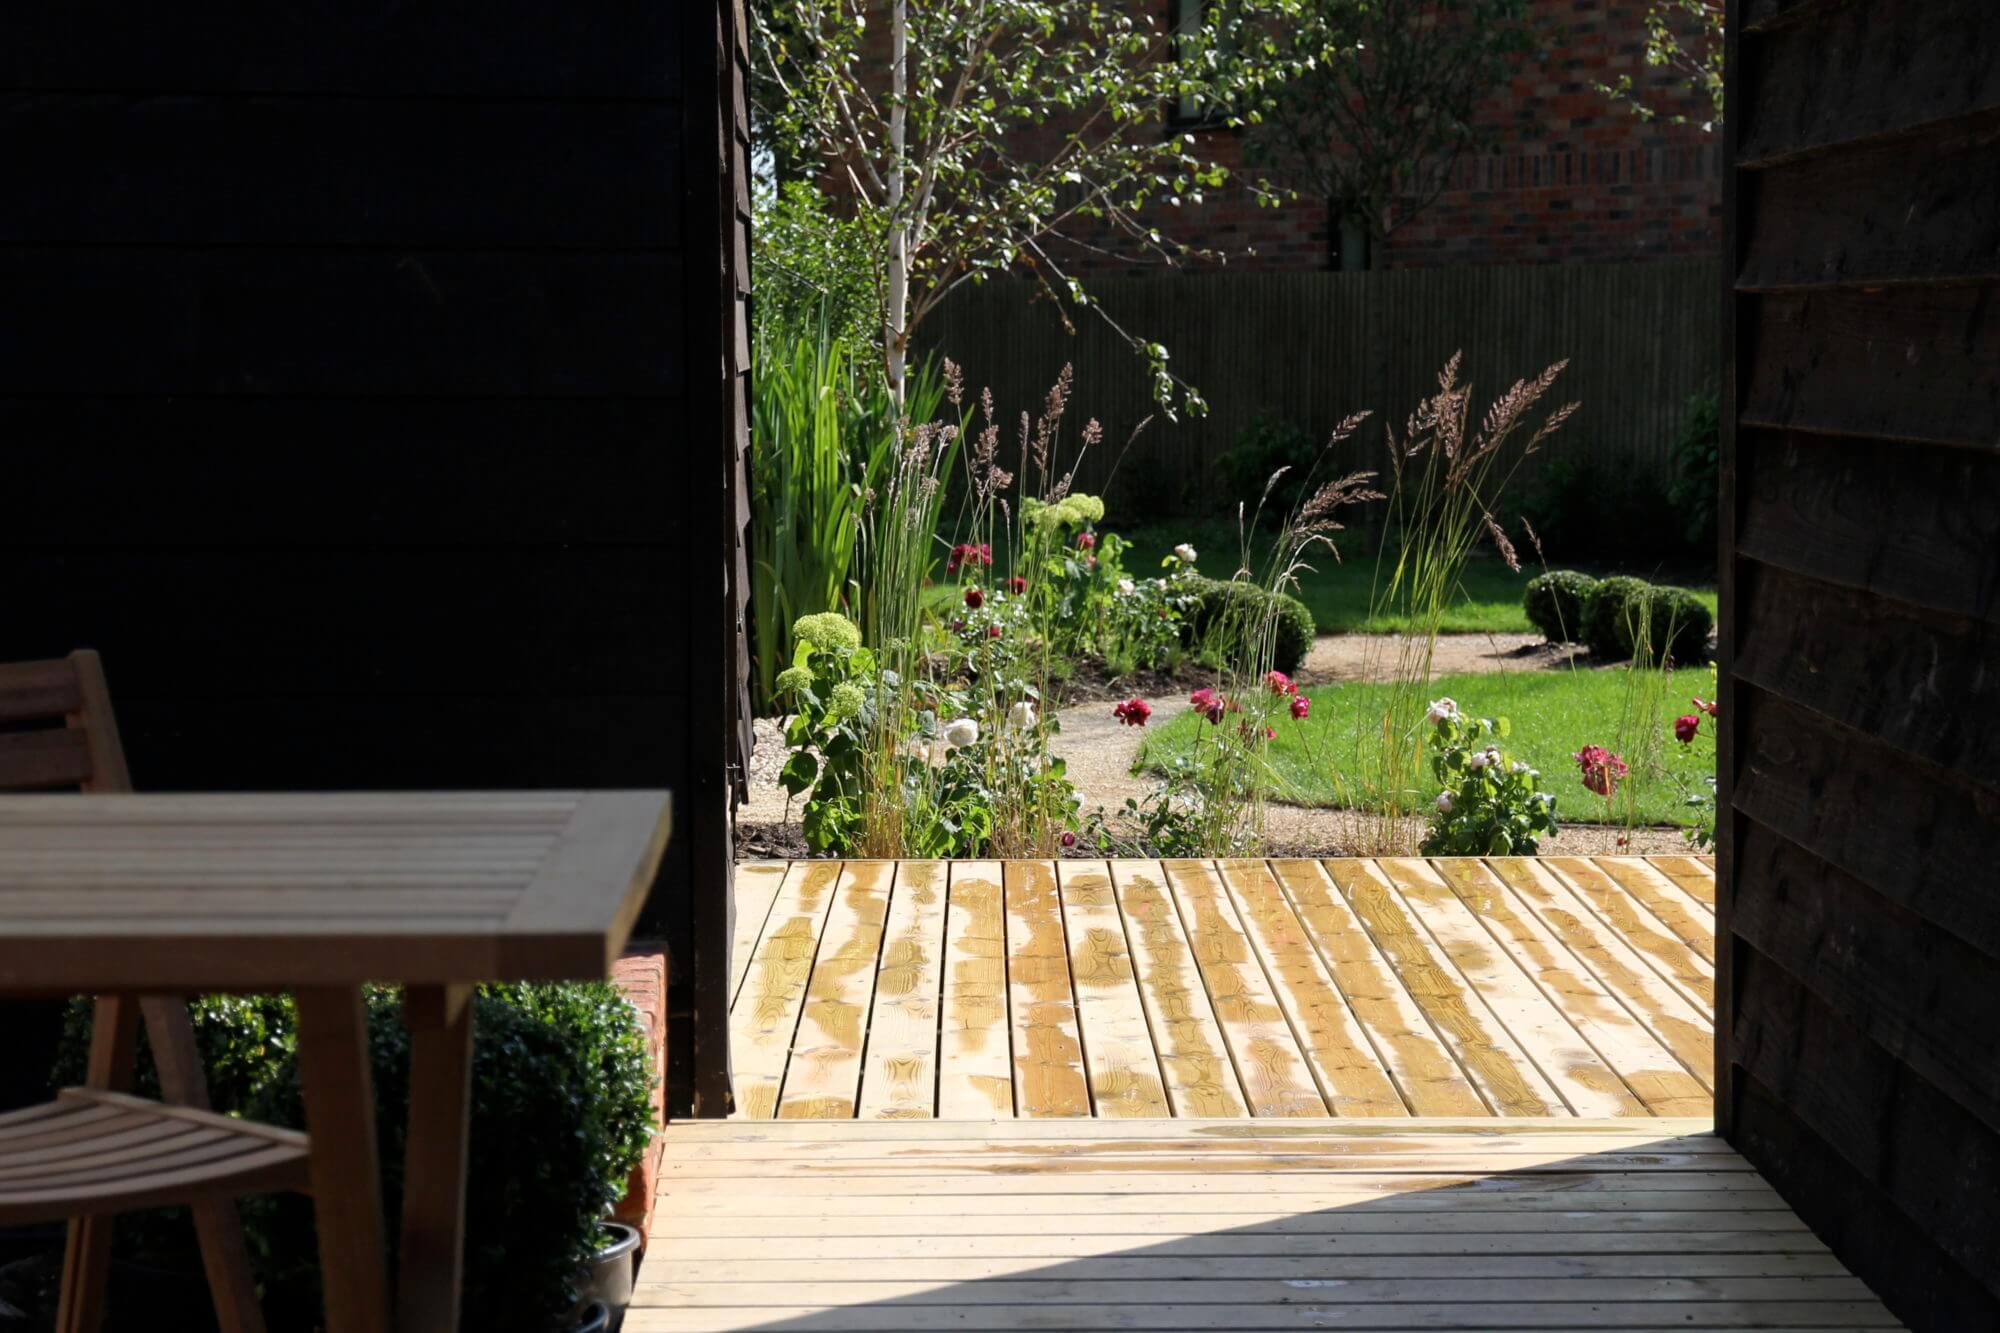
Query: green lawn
(1338, 593)
(1553, 714)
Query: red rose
(1601, 769)
(1017, 585)
(1068, 838)
(974, 598)
(1686, 726)
(1133, 712)
(992, 631)
(1301, 706)
(1086, 541)
(1279, 683)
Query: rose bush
(1492, 804)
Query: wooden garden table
(316, 895)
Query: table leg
(346, 1181)
(114, 1037)
(440, 1023)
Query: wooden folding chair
(97, 1151)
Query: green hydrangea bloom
(845, 701)
(827, 632)
(1086, 508)
(793, 678)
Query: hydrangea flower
(793, 678)
(845, 701)
(827, 632)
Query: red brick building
(1572, 176)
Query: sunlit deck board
(1048, 1052)
(1695, 876)
(1506, 1078)
(1676, 1021)
(1430, 1080)
(975, 1047)
(1683, 968)
(1350, 1075)
(1691, 921)
(1251, 988)
(823, 1081)
(766, 1014)
(1551, 1226)
(899, 1080)
(1276, 1078)
(1544, 1033)
(757, 885)
(1642, 1063)
(1200, 1079)
(1118, 1054)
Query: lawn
(1338, 593)
(1553, 714)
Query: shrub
(1224, 609)
(560, 1116)
(1554, 602)
(1267, 444)
(1674, 620)
(1608, 613)
(1492, 804)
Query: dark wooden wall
(1860, 982)
(365, 384)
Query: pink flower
(1270, 734)
(1708, 706)
(1280, 683)
(974, 598)
(1133, 712)
(1202, 699)
(965, 553)
(1301, 706)
(1686, 726)
(992, 631)
(1601, 769)
(1086, 541)
(1017, 585)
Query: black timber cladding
(1859, 982)
(366, 397)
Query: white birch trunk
(895, 332)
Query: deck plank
(1694, 874)
(1674, 1020)
(1691, 921)
(899, 1080)
(1118, 1052)
(1200, 1079)
(1506, 1078)
(756, 886)
(823, 1080)
(1048, 1051)
(975, 1060)
(1642, 1063)
(1587, 1085)
(1350, 1075)
(766, 1015)
(1424, 1071)
(1681, 967)
(1276, 1079)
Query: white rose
(961, 732)
(1492, 756)
(1021, 714)
(1444, 802)
(1183, 553)
(1126, 587)
(1477, 760)
(1443, 710)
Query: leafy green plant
(1626, 617)
(830, 688)
(1697, 452)
(1610, 611)
(1224, 608)
(1268, 446)
(1554, 602)
(560, 1115)
(1491, 803)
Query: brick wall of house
(1573, 176)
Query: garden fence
(1310, 348)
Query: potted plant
(560, 1116)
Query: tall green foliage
(824, 435)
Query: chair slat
(32, 690)
(39, 759)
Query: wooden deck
(1232, 989)
(1635, 1224)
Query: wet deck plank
(1236, 990)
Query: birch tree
(981, 137)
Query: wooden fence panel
(1310, 348)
